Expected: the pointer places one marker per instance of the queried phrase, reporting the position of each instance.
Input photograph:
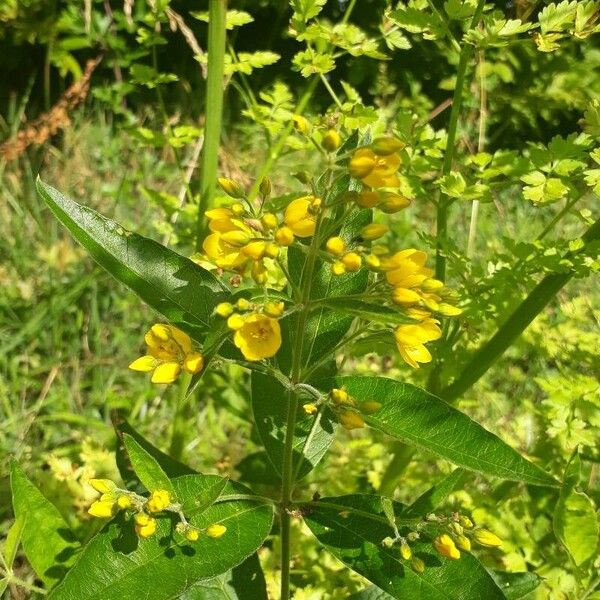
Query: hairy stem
(217, 11)
(442, 212)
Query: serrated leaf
(183, 292)
(421, 419)
(233, 18)
(116, 565)
(310, 62)
(557, 17)
(352, 529)
(47, 540)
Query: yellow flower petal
(259, 337)
(103, 509)
(145, 364)
(166, 373)
(193, 362)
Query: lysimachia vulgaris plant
(282, 285)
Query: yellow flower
(310, 409)
(145, 525)
(301, 124)
(192, 534)
(216, 530)
(335, 246)
(373, 170)
(352, 262)
(274, 309)
(382, 146)
(104, 486)
(284, 236)
(259, 337)
(486, 538)
(299, 215)
(223, 245)
(368, 199)
(169, 352)
(410, 340)
(446, 547)
(158, 501)
(331, 140)
(340, 396)
(224, 309)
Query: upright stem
(442, 212)
(217, 12)
(287, 474)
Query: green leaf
(146, 467)
(353, 527)
(436, 495)
(421, 419)
(516, 585)
(170, 283)
(246, 581)
(365, 310)
(370, 593)
(575, 521)
(170, 466)
(116, 565)
(47, 540)
(257, 468)
(13, 540)
(313, 434)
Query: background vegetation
(129, 147)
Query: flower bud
(370, 407)
(301, 125)
(191, 534)
(446, 547)
(331, 141)
(463, 542)
(361, 166)
(265, 187)
(352, 261)
(340, 396)
(259, 273)
(224, 309)
(274, 309)
(272, 250)
(393, 203)
(235, 322)
(372, 261)
(269, 221)
(255, 250)
(124, 502)
(335, 246)
(243, 304)
(238, 209)
(465, 522)
(216, 530)
(405, 551)
(413, 536)
(384, 146)
(310, 409)
(236, 238)
(448, 310)
(368, 199)
(230, 187)
(284, 236)
(432, 285)
(104, 486)
(158, 501)
(373, 231)
(486, 538)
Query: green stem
(330, 90)
(217, 12)
(180, 427)
(442, 212)
(288, 473)
(514, 326)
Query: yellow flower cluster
(113, 499)
(170, 352)
(256, 329)
(348, 411)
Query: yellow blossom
(192, 534)
(299, 215)
(446, 547)
(169, 352)
(224, 309)
(124, 502)
(158, 501)
(410, 340)
(216, 530)
(373, 170)
(310, 409)
(465, 522)
(269, 221)
(368, 199)
(373, 231)
(352, 262)
(486, 538)
(340, 396)
(284, 236)
(338, 268)
(301, 124)
(105, 509)
(382, 146)
(259, 337)
(372, 261)
(145, 525)
(104, 486)
(335, 246)
(392, 203)
(274, 309)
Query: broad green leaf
(173, 285)
(313, 435)
(47, 540)
(436, 495)
(353, 527)
(116, 565)
(13, 540)
(516, 585)
(421, 419)
(257, 468)
(146, 467)
(371, 593)
(170, 466)
(246, 581)
(575, 521)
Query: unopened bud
(370, 407)
(351, 420)
(486, 538)
(384, 146)
(417, 565)
(405, 551)
(331, 140)
(335, 246)
(373, 231)
(265, 187)
(231, 187)
(301, 124)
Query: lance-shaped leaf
(116, 565)
(421, 419)
(146, 467)
(516, 585)
(312, 437)
(47, 540)
(182, 291)
(353, 527)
